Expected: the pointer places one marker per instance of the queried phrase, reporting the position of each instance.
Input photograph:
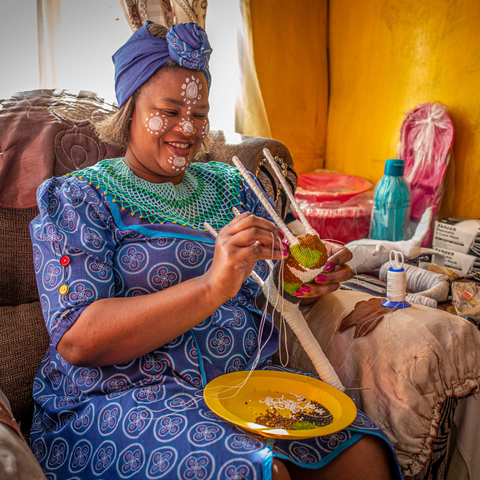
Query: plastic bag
(426, 140)
(466, 300)
(338, 206)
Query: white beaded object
(278, 221)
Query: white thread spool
(396, 282)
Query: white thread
(396, 285)
(427, 287)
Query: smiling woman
(144, 307)
(168, 125)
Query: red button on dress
(65, 261)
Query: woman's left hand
(336, 271)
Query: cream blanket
(412, 361)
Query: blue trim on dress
(268, 460)
(200, 360)
(147, 231)
(328, 458)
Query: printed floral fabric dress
(101, 234)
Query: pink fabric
(426, 139)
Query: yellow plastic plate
(242, 406)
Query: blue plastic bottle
(391, 204)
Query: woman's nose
(187, 128)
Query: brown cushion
(17, 275)
(46, 133)
(23, 343)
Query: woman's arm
(112, 331)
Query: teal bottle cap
(394, 167)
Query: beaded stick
(290, 308)
(278, 221)
(290, 196)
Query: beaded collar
(207, 193)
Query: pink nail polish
(329, 266)
(285, 253)
(304, 288)
(299, 294)
(320, 279)
(285, 245)
(280, 234)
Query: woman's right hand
(239, 245)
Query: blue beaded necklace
(207, 193)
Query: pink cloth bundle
(426, 140)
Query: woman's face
(168, 125)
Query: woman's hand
(239, 245)
(336, 271)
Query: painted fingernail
(320, 279)
(329, 266)
(285, 245)
(304, 288)
(280, 234)
(285, 253)
(299, 294)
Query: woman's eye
(169, 112)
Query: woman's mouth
(180, 149)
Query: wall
(386, 57)
(290, 47)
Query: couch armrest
(415, 363)
(17, 461)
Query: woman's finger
(249, 237)
(342, 255)
(313, 290)
(341, 273)
(246, 220)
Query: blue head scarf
(142, 55)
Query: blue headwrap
(142, 55)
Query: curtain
(165, 12)
(48, 35)
(250, 113)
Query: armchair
(417, 364)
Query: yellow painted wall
(386, 57)
(290, 47)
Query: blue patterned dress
(146, 419)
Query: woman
(143, 306)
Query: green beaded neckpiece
(207, 193)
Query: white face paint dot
(186, 126)
(206, 128)
(192, 90)
(179, 161)
(158, 113)
(155, 123)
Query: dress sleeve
(73, 246)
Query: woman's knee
(279, 470)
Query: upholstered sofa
(408, 374)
